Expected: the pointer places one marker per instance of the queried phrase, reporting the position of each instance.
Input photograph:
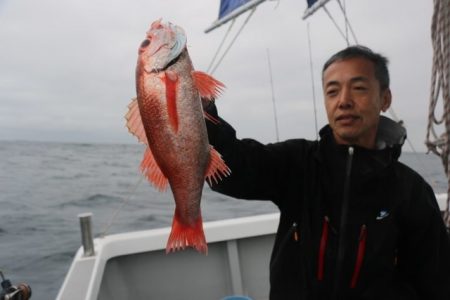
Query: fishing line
(124, 201)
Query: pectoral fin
(134, 121)
(207, 86)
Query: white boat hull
(135, 265)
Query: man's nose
(345, 99)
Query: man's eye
(360, 88)
(332, 92)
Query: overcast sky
(67, 67)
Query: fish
(167, 116)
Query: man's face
(353, 101)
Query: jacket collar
(390, 134)
(389, 141)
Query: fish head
(164, 43)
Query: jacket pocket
(287, 271)
(291, 237)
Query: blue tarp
(227, 6)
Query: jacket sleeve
(424, 250)
(257, 171)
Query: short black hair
(380, 62)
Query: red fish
(168, 117)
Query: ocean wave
(92, 200)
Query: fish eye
(145, 43)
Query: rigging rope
(344, 10)
(234, 39)
(220, 45)
(335, 24)
(440, 86)
(347, 23)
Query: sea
(44, 186)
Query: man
(354, 222)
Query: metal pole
(312, 82)
(273, 97)
(86, 234)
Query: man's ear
(386, 99)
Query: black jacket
(352, 226)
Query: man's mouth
(346, 118)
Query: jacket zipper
(343, 223)
(295, 236)
(359, 256)
(322, 248)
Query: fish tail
(187, 235)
